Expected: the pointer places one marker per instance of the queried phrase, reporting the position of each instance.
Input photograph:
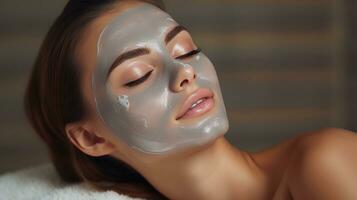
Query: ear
(87, 140)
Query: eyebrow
(172, 34)
(126, 56)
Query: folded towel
(43, 183)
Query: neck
(217, 171)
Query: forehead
(135, 27)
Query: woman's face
(151, 85)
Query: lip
(207, 104)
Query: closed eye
(189, 54)
(138, 81)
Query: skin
(316, 165)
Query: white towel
(43, 183)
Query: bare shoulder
(329, 144)
(329, 140)
(324, 165)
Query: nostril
(194, 76)
(183, 82)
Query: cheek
(153, 102)
(142, 110)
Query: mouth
(197, 104)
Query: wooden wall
(23, 26)
(351, 44)
(279, 63)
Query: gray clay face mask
(145, 114)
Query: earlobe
(88, 141)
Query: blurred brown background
(285, 66)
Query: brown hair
(53, 99)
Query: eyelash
(147, 75)
(189, 54)
(138, 81)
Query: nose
(184, 77)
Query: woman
(126, 101)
